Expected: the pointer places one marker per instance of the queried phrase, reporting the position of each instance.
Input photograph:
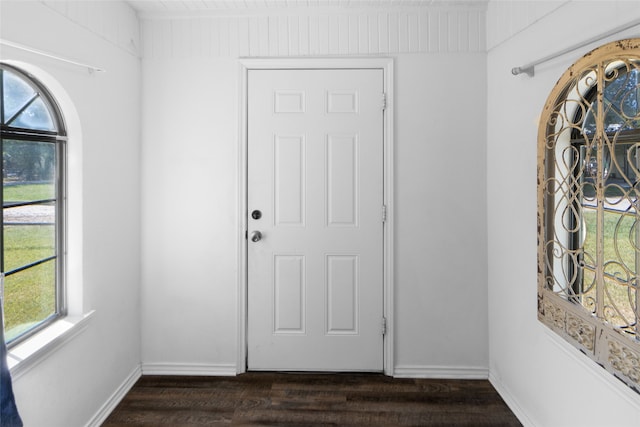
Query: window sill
(26, 355)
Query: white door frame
(385, 64)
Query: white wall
(441, 302)
(545, 380)
(186, 193)
(189, 193)
(190, 188)
(189, 215)
(73, 384)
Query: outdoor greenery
(30, 165)
(29, 298)
(25, 192)
(620, 264)
(29, 294)
(28, 160)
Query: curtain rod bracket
(529, 71)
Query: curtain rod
(90, 68)
(529, 69)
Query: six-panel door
(315, 197)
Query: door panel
(289, 287)
(290, 173)
(342, 294)
(342, 180)
(315, 171)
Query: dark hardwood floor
(276, 399)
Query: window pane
(26, 244)
(16, 94)
(620, 100)
(36, 117)
(30, 298)
(31, 165)
(619, 173)
(18, 192)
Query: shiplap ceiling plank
(200, 6)
(255, 31)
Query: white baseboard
(442, 372)
(188, 369)
(511, 401)
(115, 398)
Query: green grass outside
(29, 294)
(26, 192)
(29, 298)
(620, 258)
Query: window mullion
(2, 96)
(60, 221)
(2, 204)
(30, 265)
(636, 225)
(600, 199)
(32, 203)
(21, 110)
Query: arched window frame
(57, 136)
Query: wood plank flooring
(277, 399)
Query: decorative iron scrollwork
(589, 207)
(625, 360)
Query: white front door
(315, 220)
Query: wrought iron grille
(589, 208)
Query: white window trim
(24, 356)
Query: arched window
(589, 208)
(32, 238)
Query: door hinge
(384, 213)
(384, 101)
(384, 325)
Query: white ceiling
(200, 6)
